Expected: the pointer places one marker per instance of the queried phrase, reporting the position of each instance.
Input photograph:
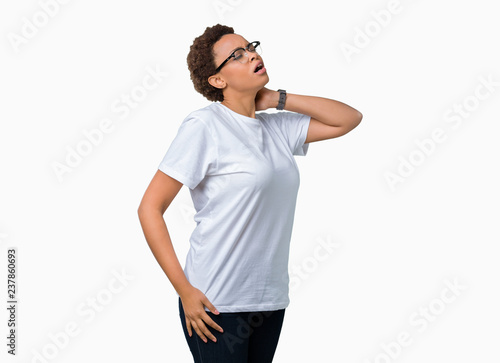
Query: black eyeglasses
(241, 55)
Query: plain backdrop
(407, 203)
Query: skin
(244, 93)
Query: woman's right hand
(193, 303)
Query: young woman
(239, 166)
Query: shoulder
(270, 120)
(200, 123)
(268, 116)
(282, 118)
(206, 115)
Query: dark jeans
(248, 337)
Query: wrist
(183, 289)
(274, 99)
(281, 100)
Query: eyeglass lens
(239, 55)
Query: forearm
(157, 236)
(325, 110)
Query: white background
(396, 246)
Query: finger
(199, 332)
(208, 320)
(188, 326)
(206, 331)
(209, 305)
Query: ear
(217, 82)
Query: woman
(243, 179)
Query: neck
(244, 104)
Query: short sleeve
(192, 154)
(294, 127)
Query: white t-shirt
(243, 180)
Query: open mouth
(259, 67)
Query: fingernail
(216, 311)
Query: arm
(158, 196)
(329, 118)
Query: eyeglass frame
(255, 45)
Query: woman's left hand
(266, 98)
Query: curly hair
(201, 62)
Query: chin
(265, 80)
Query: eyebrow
(238, 48)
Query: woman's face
(238, 76)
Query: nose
(252, 56)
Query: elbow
(147, 209)
(140, 211)
(356, 120)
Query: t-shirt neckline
(255, 120)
